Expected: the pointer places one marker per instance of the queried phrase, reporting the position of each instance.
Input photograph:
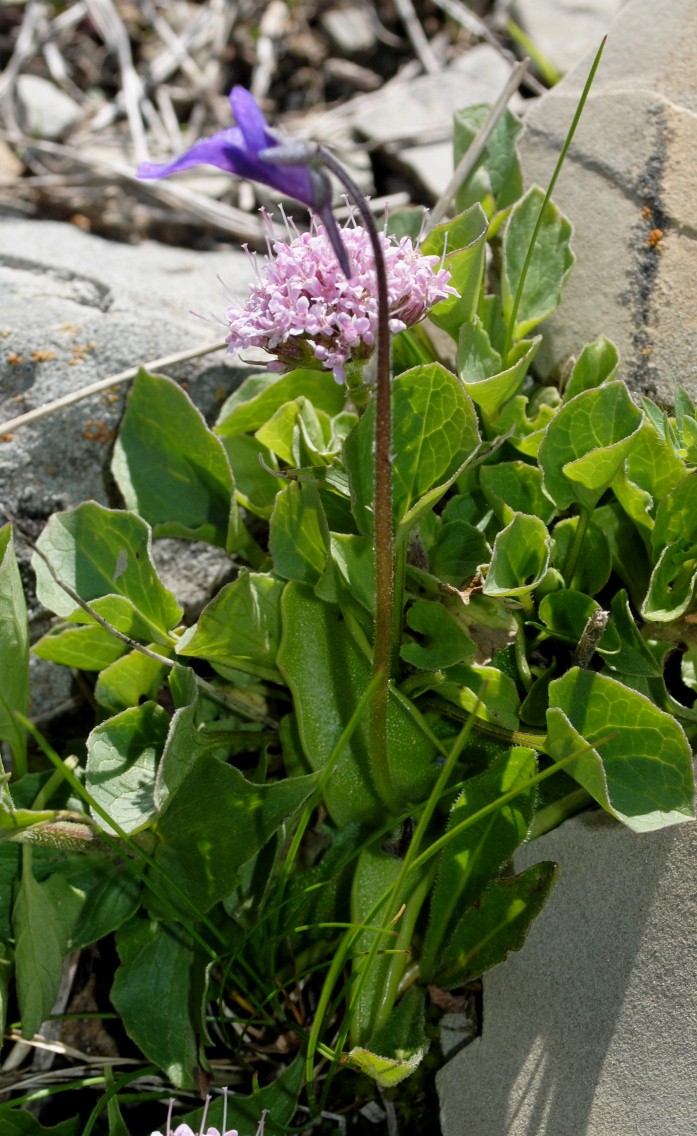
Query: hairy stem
(384, 538)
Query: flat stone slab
(591, 1030)
(564, 30)
(629, 186)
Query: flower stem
(384, 538)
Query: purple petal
(250, 120)
(220, 150)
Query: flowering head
(304, 311)
(185, 1130)
(244, 150)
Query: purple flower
(241, 149)
(305, 312)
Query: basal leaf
(122, 757)
(462, 244)
(633, 758)
(674, 543)
(549, 266)
(87, 647)
(242, 414)
(516, 487)
(520, 557)
(586, 444)
(459, 550)
(158, 992)
(327, 683)
(170, 467)
(44, 917)
(434, 433)
(597, 364)
(594, 563)
(255, 487)
(497, 180)
(240, 627)
(130, 680)
(104, 553)
(299, 536)
(486, 381)
(215, 822)
(443, 641)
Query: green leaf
(299, 536)
(524, 419)
(520, 557)
(242, 414)
(495, 926)
(459, 550)
(375, 874)
(496, 180)
(434, 435)
(633, 758)
(104, 553)
(44, 917)
(444, 640)
(17, 1123)
(131, 679)
(652, 470)
(462, 245)
(240, 628)
(565, 614)
(674, 543)
(594, 564)
(586, 444)
(216, 821)
(549, 266)
(631, 654)
(480, 367)
(122, 757)
(398, 1047)
(327, 683)
(14, 651)
(473, 857)
(170, 467)
(484, 690)
(353, 558)
(597, 364)
(255, 487)
(158, 992)
(281, 434)
(88, 647)
(516, 487)
(109, 896)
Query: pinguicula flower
(244, 150)
(304, 311)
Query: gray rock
(591, 1030)
(77, 308)
(422, 111)
(564, 30)
(43, 110)
(630, 188)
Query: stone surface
(351, 29)
(424, 108)
(564, 30)
(43, 110)
(591, 1030)
(630, 189)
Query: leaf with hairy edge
(242, 414)
(633, 758)
(128, 681)
(586, 444)
(597, 364)
(516, 487)
(88, 647)
(473, 857)
(171, 468)
(299, 536)
(104, 553)
(497, 925)
(674, 544)
(14, 650)
(480, 368)
(497, 180)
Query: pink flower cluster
(304, 310)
